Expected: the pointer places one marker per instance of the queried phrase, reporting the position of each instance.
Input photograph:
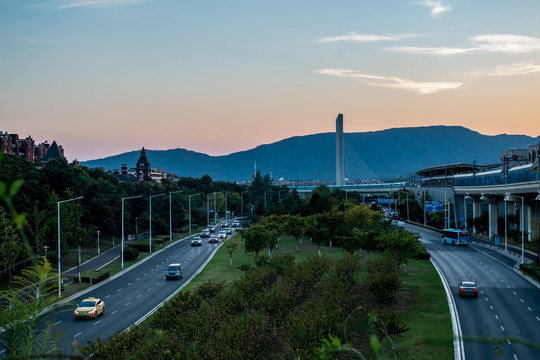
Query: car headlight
(92, 311)
(76, 312)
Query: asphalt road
(131, 296)
(507, 311)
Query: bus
(455, 236)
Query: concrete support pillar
(493, 215)
(476, 213)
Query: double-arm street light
(122, 247)
(150, 218)
(59, 253)
(170, 214)
(189, 201)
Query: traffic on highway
(132, 295)
(495, 309)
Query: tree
(255, 239)
(274, 224)
(317, 231)
(10, 243)
(295, 225)
(361, 216)
(231, 246)
(402, 245)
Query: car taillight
(475, 289)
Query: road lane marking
(129, 284)
(502, 328)
(514, 292)
(97, 322)
(138, 278)
(529, 308)
(486, 299)
(107, 296)
(58, 322)
(127, 303)
(113, 312)
(119, 290)
(77, 334)
(138, 296)
(537, 318)
(508, 286)
(515, 357)
(491, 307)
(496, 317)
(508, 341)
(149, 289)
(521, 300)
(145, 273)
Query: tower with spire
(143, 166)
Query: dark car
(174, 271)
(468, 288)
(211, 228)
(205, 233)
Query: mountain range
(386, 154)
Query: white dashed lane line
(97, 322)
(119, 290)
(77, 334)
(145, 274)
(138, 278)
(113, 312)
(127, 303)
(537, 318)
(521, 300)
(529, 308)
(58, 322)
(502, 328)
(496, 317)
(129, 284)
(138, 296)
(107, 296)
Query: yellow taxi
(90, 308)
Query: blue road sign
(433, 206)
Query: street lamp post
(122, 247)
(45, 248)
(189, 202)
(59, 253)
(98, 251)
(208, 209)
(242, 202)
(215, 213)
(150, 218)
(399, 200)
(170, 214)
(265, 200)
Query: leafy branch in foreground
(23, 316)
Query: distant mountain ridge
(387, 153)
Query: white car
(196, 241)
(222, 235)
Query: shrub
(92, 276)
(383, 279)
(130, 253)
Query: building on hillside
(11, 144)
(54, 152)
(143, 166)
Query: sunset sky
(102, 77)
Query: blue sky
(107, 76)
